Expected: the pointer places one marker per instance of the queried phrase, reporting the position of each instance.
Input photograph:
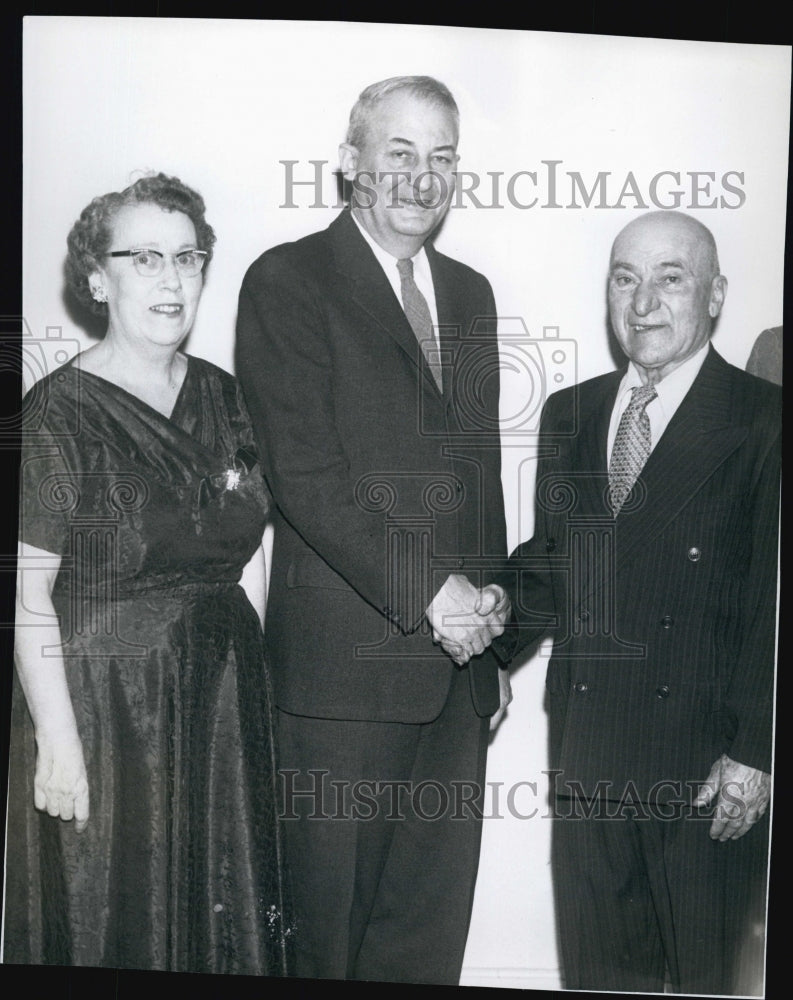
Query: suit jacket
(663, 617)
(765, 358)
(383, 485)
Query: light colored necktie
(418, 314)
(631, 446)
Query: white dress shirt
(421, 275)
(660, 410)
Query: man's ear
(718, 292)
(348, 161)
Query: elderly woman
(141, 729)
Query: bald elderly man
(653, 566)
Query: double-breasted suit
(663, 621)
(384, 486)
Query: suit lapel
(372, 291)
(455, 314)
(700, 436)
(589, 460)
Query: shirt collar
(388, 261)
(672, 389)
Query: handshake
(464, 619)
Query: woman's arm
(254, 582)
(60, 784)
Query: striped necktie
(418, 314)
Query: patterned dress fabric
(180, 866)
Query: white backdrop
(222, 103)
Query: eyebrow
(664, 263)
(409, 142)
(156, 248)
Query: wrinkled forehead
(662, 240)
(411, 115)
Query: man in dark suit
(370, 366)
(653, 565)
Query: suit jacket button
(662, 691)
(694, 554)
(550, 545)
(460, 563)
(458, 486)
(396, 617)
(667, 621)
(581, 687)
(583, 616)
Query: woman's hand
(60, 784)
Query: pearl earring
(99, 293)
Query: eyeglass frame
(201, 254)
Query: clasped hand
(464, 619)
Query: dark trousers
(382, 831)
(644, 900)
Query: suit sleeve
(751, 690)
(285, 366)
(493, 525)
(526, 575)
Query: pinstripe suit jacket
(663, 618)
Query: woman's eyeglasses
(150, 263)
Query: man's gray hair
(426, 88)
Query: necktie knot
(642, 395)
(405, 267)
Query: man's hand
(741, 795)
(465, 620)
(505, 697)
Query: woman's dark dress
(155, 518)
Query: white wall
(220, 103)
